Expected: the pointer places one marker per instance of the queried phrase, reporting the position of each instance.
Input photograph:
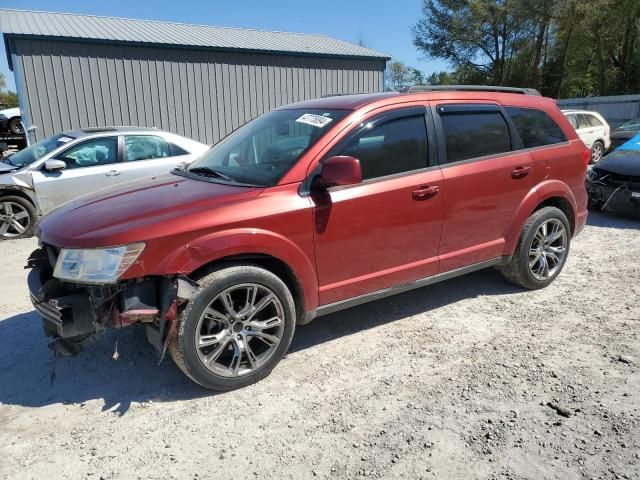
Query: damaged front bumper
(74, 315)
(614, 196)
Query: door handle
(425, 193)
(112, 173)
(520, 172)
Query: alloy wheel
(240, 330)
(548, 249)
(14, 219)
(596, 153)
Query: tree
(399, 75)
(561, 47)
(3, 82)
(417, 77)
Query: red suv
(312, 208)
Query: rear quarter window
(535, 127)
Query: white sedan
(62, 167)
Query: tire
(16, 209)
(597, 151)
(519, 271)
(224, 336)
(15, 126)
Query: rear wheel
(597, 151)
(542, 249)
(17, 217)
(236, 329)
(15, 126)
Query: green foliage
(401, 75)
(564, 48)
(8, 99)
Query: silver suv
(62, 167)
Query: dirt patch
(471, 378)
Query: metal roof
(114, 29)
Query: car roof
(358, 100)
(590, 112)
(85, 132)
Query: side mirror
(54, 165)
(339, 171)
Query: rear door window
(145, 147)
(474, 134)
(593, 121)
(535, 127)
(583, 120)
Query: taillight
(586, 156)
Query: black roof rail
(329, 95)
(469, 88)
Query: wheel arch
(6, 191)
(292, 262)
(550, 193)
(270, 263)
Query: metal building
(199, 81)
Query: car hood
(5, 168)
(621, 162)
(139, 211)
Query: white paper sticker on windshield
(314, 120)
(65, 139)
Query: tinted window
(92, 153)
(593, 121)
(393, 147)
(535, 127)
(145, 147)
(176, 150)
(475, 134)
(583, 121)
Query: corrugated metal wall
(615, 109)
(201, 94)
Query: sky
(384, 25)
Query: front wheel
(236, 329)
(17, 217)
(542, 249)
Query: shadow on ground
(27, 364)
(610, 220)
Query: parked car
(592, 129)
(309, 209)
(11, 121)
(613, 184)
(624, 133)
(60, 168)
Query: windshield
(262, 151)
(631, 125)
(37, 150)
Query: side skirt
(404, 287)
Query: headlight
(592, 174)
(101, 265)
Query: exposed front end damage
(615, 193)
(74, 315)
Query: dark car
(309, 209)
(624, 133)
(614, 183)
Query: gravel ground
(471, 378)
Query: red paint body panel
(347, 241)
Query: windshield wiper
(211, 172)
